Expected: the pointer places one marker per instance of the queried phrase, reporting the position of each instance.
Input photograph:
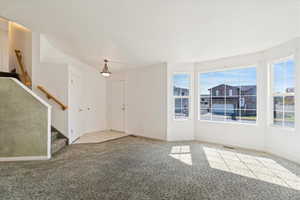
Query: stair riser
(53, 138)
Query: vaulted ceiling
(143, 32)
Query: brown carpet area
(136, 168)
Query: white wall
(20, 38)
(146, 101)
(236, 134)
(52, 71)
(261, 136)
(55, 78)
(4, 46)
(192, 128)
(180, 129)
(281, 141)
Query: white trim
(283, 59)
(113, 130)
(238, 122)
(23, 158)
(31, 92)
(49, 134)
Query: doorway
(76, 111)
(118, 106)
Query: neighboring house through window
(228, 95)
(181, 94)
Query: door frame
(123, 84)
(74, 72)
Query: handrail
(25, 77)
(49, 96)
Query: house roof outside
(245, 87)
(180, 91)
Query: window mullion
(225, 107)
(231, 100)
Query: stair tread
(59, 141)
(58, 144)
(54, 133)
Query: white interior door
(117, 106)
(76, 111)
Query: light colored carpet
(98, 137)
(133, 168)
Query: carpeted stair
(58, 142)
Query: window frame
(181, 97)
(221, 70)
(283, 95)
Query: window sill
(282, 128)
(188, 119)
(231, 123)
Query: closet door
(117, 106)
(76, 110)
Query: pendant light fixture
(105, 72)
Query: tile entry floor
(98, 137)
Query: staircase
(58, 141)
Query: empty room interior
(150, 100)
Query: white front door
(76, 111)
(117, 106)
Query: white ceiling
(143, 32)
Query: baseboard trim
(23, 158)
(116, 131)
(149, 138)
(283, 156)
(254, 150)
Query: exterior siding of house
(237, 98)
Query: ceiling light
(105, 72)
